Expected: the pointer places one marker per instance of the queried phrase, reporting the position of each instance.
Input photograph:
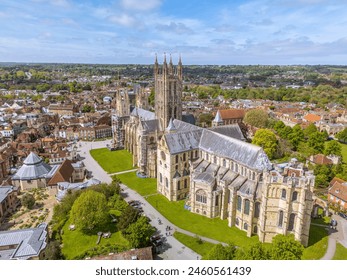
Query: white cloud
(123, 19)
(142, 5)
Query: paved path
(173, 249)
(122, 172)
(338, 235)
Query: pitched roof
(33, 168)
(338, 189)
(232, 114)
(63, 173)
(232, 130)
(312, 118)
(321, 159)
(244, 153)
(27, 243)
(218, 118)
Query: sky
(224, 32)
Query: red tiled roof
(232, 114)
(63, 174)
(312, 118)
(338, 189)
(321, 159)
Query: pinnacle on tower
(171, 127)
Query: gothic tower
(168, 91)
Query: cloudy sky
(202, 31)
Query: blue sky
(202, 31)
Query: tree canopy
(285, 247)
(138, 233)
(257, 118)
(220, 252)
(266, 139)
(90, 211)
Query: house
(312, 118)
(322, 159)
(8, 200)
(337, 192)
(64, 187)
(23, 244)
(230, 116)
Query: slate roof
(150, 125)
(232, 130)
(244, 153)
(27, 243)
(206, 178)
(143, 114)
(33, 168)
(63, 187)
(4, 192)
(218, 118)
(183, 141)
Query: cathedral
(214, 170)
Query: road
(172, 249)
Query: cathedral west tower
(168, 92)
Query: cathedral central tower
(168, 91)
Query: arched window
(239, 203)
(215, 160)
(200, 196)
(245, 226)
(166, 182)
(255, 229)
(224, 163)
(257, 210)
(280, 218)
(246, 208)
(295, 196)
(237, 221)
(291, 222)
(184, 157)
(176, 159)
(185, 183)
(179, 185)
(284, 194)
(160, 178)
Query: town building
(337, 192)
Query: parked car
(342, 215)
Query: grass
(144, 186)
(344, 152)
(113, 161)
(76, 242)
(340, 253)
(199, 246)
(317, 243)
(213, 228)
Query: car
(343, 215)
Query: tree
(90, 211)
(28, 200)
(309, 130)
(53, 251)
(285, 247)
(316, 141)
(266, 139)
(138, 233)
(256, 251)
(333, 148)
(206, 118)
(129, 216)
(342, 136)
(257, 118)
(296, 136)
(220, 252)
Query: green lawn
(202, 247)
(144, 186)
(113, 161)
(75, 243)
(344, 152)
(213, 228)
(340, 253)
(317, 243)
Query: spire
(179, 68)
(156, 66)
(170, 65)
(171, 127)
(217, 120)
(164, 64)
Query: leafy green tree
(138, 233)
(220, 252)
(285, 247)
(333, 148)
(129, 216)
(257, 118)
(296, 136)
(256, 251)
(28, 200)
(266, 139)
(53, 251)
(90, 211)
(316, 141)
(342, 136)
(309, 130)
(206, 118)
